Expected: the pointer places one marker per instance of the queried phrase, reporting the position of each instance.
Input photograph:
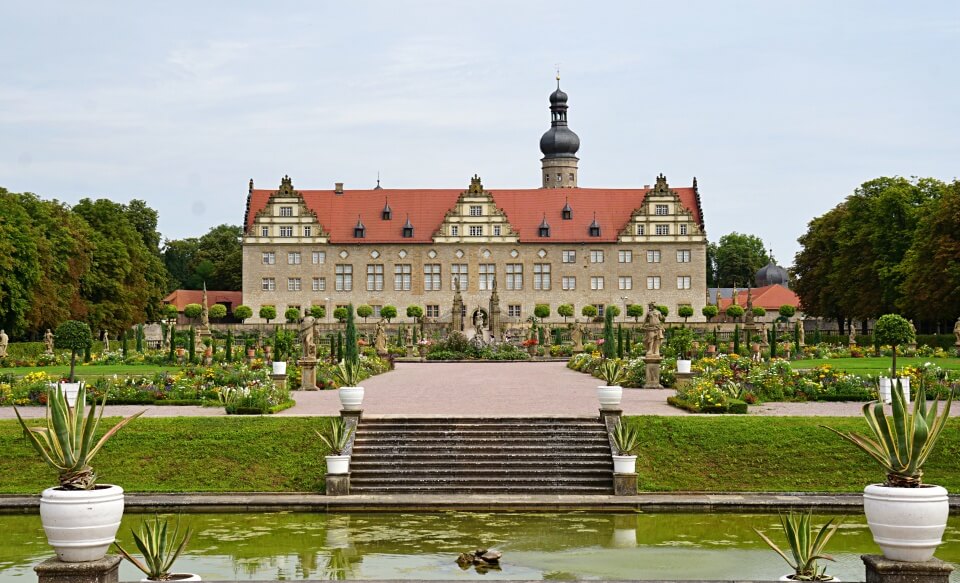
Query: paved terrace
(482, 389)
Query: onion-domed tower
(559, 146)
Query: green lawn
(92, 370)
(878, 365)
(282, 454)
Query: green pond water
(425, 546)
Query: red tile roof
(768, 297)
(426, 209)
(182, 297)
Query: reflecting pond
(424, 546)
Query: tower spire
(559, 145)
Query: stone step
(501, 489)
(509, 473)
(547, 451)
(573, 458)
(477, 480)
(434, 430)
(486, 441)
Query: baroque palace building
(558, 244)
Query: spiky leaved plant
(67, 442)
(336, 435)
(612, 372)
(159, 547)
(626, 438)
(902, 442)
(805, 547)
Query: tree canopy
(737, 258)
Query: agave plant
(902, 442)
(67, 442)
(806, 547)
(159, 546)
(626, 438)
(336, 435)
(347, 373)
(612, 372)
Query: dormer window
(387, 213)
(408, 229)
(567, 212)
(594, 227)
(359, 231)
(544, 228)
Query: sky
(780, 110)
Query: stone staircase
(481, 455)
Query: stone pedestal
(957, 346)
(308, 374)
(338, 484)
(610, 417)
(279, 380)
(652, 377)
(625, 484)
(105, 570)
(881, 570)
(684, 378)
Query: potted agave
(626, 441)
(613, 373)
(682, 341)
(336, 436)
(160, 548)
(80, 517)
(806, 547)
(347, 375)
(907, 518)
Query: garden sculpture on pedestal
(852, 340)
(380, 339)
(205, 312)
(456, 314)
(48, 341)
(802, 340)
(307, 340)
(5, 341)
(653, 326)
(494, 323)
(577, 336)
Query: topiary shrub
(734, 311)
(218, 311)
(710, 311)
(787, 311)
(192, 311)
(268, 313)
(318, 312)
(340, 314)
(893, 329)
(541, 311)
(364, 311)
(589, 311)
(291, 315)
(565, 310)
(685, 312)
(74, 336)
(242, 312)
(635, 311)
(388, 312)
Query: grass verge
(770, 454)
(876, 364)
(92, 370)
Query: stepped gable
(427, 208)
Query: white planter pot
(351, 398)
(885, 394)
(683, 366)
(609, 396)
(279, 367)
(176, 577)
(887, 387)
(830, 578)
(70, 391)
(81, 524)
(624, 464)
(907, 523)
(338, 464)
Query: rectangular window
(683, 256)
(401, 277)
(459, 271)
(286, 231)
(662, 229)
(293, 258)
(293, 284)
(513, 310)
(596, 256)
(641, 230)
(625, 256)
(286, 211)
(264, 231)
(653, 282)
(625, 281)
(307, 231)
(376, 310)
(683, 282)
(319, 284)
(432, 311)
(596, 282)
(541, 276)
(568, 282)
(488, 271)
(431, 277)
(683, 228)
(268, 284)
(375, 277)
(661, 209)
(569, 256)
(454, 231)
(514, 276)
(476, 210)
(269, 257)
(344, 273)
(476, 230)
(319, 257)
(600, 308)
(496, 230)
(653, 256)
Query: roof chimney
(338, 188)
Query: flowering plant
(530, 342)
(424, 342)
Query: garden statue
(853, 335)
(197, 338)
(48, 341)
(577, 335)
(306, 337)
(106, 341)
(800, 333)
(205, 311)
(653, 325)
(5, 341)
(956, 331)
(380, 339)
(748, 314)
(478, 324)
